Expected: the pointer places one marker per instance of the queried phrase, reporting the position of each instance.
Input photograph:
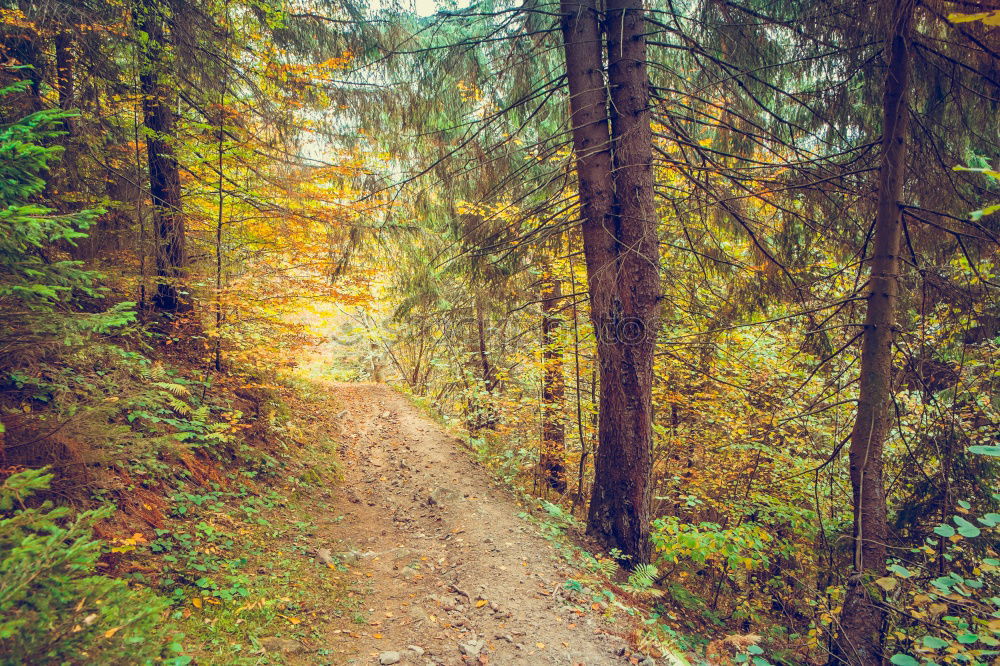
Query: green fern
(643, 577)
(153, 373)
(173, 388)
(607, 567)
(178, 405)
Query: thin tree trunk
(220, 218)
(484, 359)
(862, 619)
(582, 467)
(140, 200)
(164, 175)
(65, 62)
(481, 408)
(415, 376)
(219, 224)
(620, 246)
(553, 458)
(66, 177)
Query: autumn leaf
(989, 18)
(887, 583)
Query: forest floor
(454, 571)
(432, 560)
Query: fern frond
(178, 405)
(643, 577)
(608, 567)
(172, 388)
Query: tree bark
(65, 64)
(164, 175)
(553, 457)
(26, 48)
(862, 618)
(484, 360)
(614, 174)
(67, 177)
(487, 412)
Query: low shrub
(54, 608)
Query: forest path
(449, 566)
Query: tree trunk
(862, 619)
(67, 177)
(220, 220)
(484, 359)
(65, 64)
(581, 435)
(620, 246)
(553, 457)
(164, 176)
(485, 410)
(26, 48)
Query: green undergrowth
(54, 605)
(505, 462)
(241, 573)
(168, 522)
(663, 618)
(628, 599)
(239, 562)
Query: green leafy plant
(747, 547)
(54, 608)
(947, 588)
(643, 577)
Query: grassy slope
(207, 475)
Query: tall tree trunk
(221, 212)
(26, 48)
(553, 457)
(862, 618)
(580, 431)
(64, 178)
(164, 176)
(620, 500)
(620, 246)
(65, 64)
(220, 220)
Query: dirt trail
(453, 571)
